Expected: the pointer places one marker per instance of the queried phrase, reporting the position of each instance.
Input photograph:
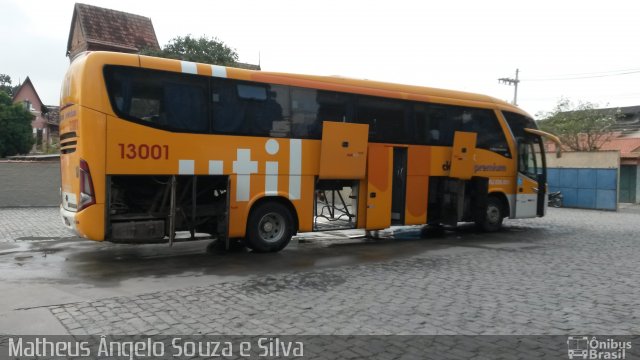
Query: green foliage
(204, 50)
(580, 127)
(15, 127)
(54, 148)
(5, 85)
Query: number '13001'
(144, 151)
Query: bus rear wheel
(491, 219)
(269, 227)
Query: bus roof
(436, 94)
(330, 83)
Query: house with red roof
(624, 138)
(98, 29)
(629, 147)
(46, 118)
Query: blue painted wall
(585, 188)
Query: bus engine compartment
(147, 209)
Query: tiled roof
(113, 28)
(627, 146)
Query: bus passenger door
(527, 187)
(399, 185)
(379, 186)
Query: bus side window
(485, 123)
(164, 100)
(263, 107)
(333, 106)
(226, 110)
(135, 95)
(442, 121)
(386, 119)
(277, 111)
(429, 124)
(304, 110)
(423, 130)
(185, 106)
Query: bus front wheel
(491, 220)
(270, 227)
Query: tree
(580, 127)
(203, 50)
(5, 85)
(15, 127)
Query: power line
(595, 72)
(586, 75)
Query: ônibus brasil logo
(583, 347)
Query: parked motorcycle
(555, 199)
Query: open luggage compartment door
(463, 155)
(343, 153)
(379, 187)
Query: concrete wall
(585, 160)
(29, 184)
(587, 180)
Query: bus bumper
(68, 218)
(87, 223)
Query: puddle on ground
(105, 265)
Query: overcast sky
(455, 44)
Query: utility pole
(514, 82)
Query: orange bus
(152, 147)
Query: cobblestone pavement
(31, 224)
(574, 271)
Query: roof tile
(625, 145)
(111, 27)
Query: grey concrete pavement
(574, 271)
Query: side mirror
(548, 136)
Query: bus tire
(491, 220)
(270, 227)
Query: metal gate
(627, 184)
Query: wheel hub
(271, 227)
(493, 214)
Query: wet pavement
(574, 270)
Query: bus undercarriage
(152, 209)
(146, 209)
